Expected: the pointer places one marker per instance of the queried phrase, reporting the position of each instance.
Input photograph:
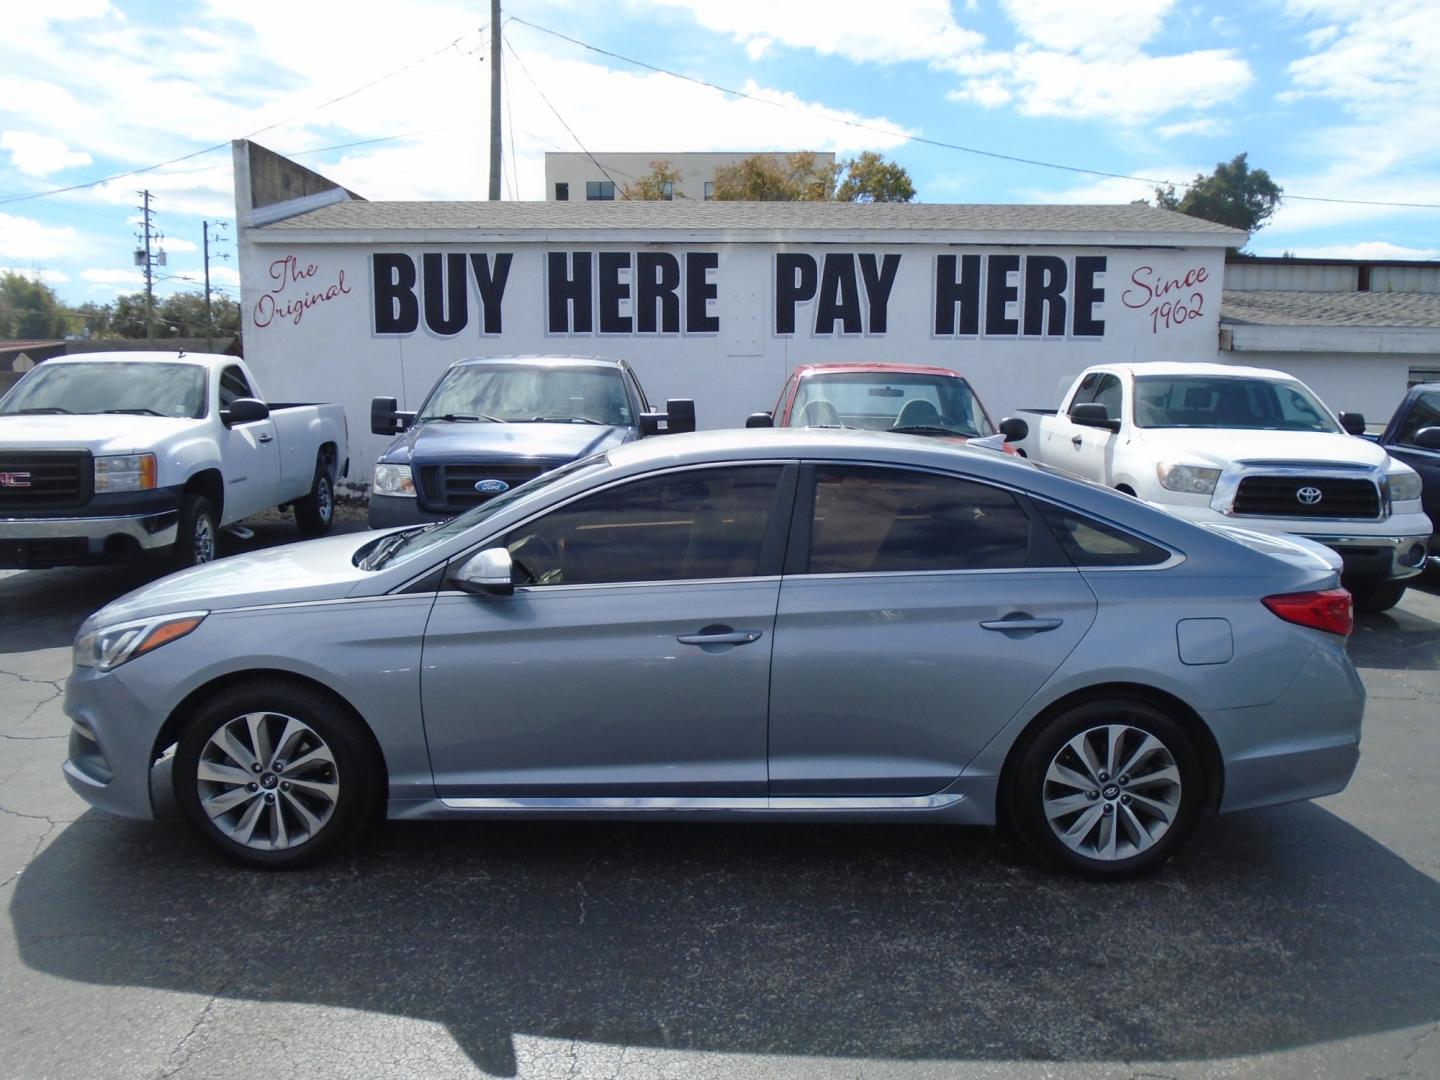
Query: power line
(860, 125)
(510, 123)
(556, 111)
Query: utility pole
(494, 100)
(144, 257)
(210, 318)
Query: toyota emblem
(1309, 495)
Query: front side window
(145, 389)
(1425, 412)
(1108, 393)
(870, 520)
(1223, 401)
(514, 393)
(890, 401)
(694, 524)
(233, 385)
(599, 190)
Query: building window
(709, 189)
(562, 192)
(667, 190)
(599, 190)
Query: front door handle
(720, 635)
(267, 437)
(1076, 441)
(1021, 621)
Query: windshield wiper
(472, 418)
(137, 412)
(45, 409)
(565, 420)
(390, 545)
(933, 429)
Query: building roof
(1361, 309)
(362, 221)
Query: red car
(912, 399)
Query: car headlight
(1193, 479)
(1404, 486)
(125, 472)
(110, 646)
(393, 480)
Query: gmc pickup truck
(493, 422)
(1243, 446)
(110, 456)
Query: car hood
(313, 570)
(438, 442)
(1220, 446)
(97, 432)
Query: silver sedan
(763, 624)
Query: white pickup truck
(109, 456)
(1242, 446)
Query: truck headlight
(1404, 486)
(393, 480)
(110, 646)
(1192, 479)
(125, 472)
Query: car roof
(207, 360)
(537, 360)
(1179, 369)
(877, 366)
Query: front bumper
(27, 543)
(111, 738)
(388, 511)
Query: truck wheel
(195, 535)
(1107, 789)
(315, 513)
(1381, 596)
(274, 774)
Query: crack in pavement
(179, 1047)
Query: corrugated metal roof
(1371, 309)
(740, 217)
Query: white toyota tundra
(1243, 446)
(109, 456)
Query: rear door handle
(720, 636)
(1021, 622)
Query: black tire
(197, 537)
(315, 513)
(1027, 788)
(332, 752)
(1378, 597)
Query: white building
(599, 177)
(344, 299)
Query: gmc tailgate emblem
(14, 479)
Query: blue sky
(1337, 99)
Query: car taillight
(1330, 610)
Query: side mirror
(244, 411)
(760, 419)
(1014, 429)
(487, 573)
(1353, 422)
(1427, 438)
(1093, 414)
(385, 419)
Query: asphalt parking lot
(1297, 942)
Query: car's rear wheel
(1108, 788)
(1381, 596)
(275, 774)
(315, 512)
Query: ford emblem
(491, 487)
(1309, 496)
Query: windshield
(144, 388)
(514, 393)
(885, 401)
(403, 546)
(1220, 401)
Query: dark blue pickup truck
(492, 423)
(1413, 436)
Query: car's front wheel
(275, 774)
(1108, 788)
(315, 513)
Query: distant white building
(599, 177)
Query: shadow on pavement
(1274, 930)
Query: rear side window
(868, 520)
(1088, 542)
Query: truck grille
(1308, 497)
(449, 489)
(44, 479)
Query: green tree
(177, 315)
(800, 177)
(30, 310)
(870, 178)
(653, 185)
(1234, 194)
(128, 318)
(95, 319)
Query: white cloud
(25, 238)
(1206, 126)
(40, 155)
(49, 277)
(1096, 27)
(1375, 249)
(757, 47)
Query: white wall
(310, 324)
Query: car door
(919, 611)
(250, 454)
(1095, 449)
(632, 661)
(1424, 412)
